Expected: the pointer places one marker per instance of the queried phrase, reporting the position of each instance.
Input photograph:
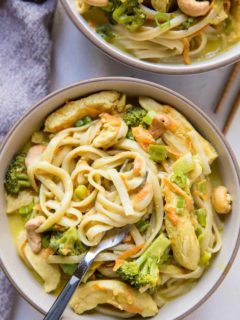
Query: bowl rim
(133, 62)
(190, 104)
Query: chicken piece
(23, 199)
(179, 138)
(184, 242)
(34, 238)
(34, 154)
(93, 105)
(143, 137)
(180, 230)
(113, 129)
(115, 293)
(49, 273)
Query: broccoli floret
(189, 23)
(16, 177)
(126, 12)
(134, 117)
(67, 243)
(144, 271)
(106, 32)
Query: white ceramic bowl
(15, 269)
(229, 56)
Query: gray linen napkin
(25, 50)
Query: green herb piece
(25, 210)
(201, 217)
(184, 165)
(205, 258)
(188, 23)
(69, 269)
(157, 152)
(149, 117)
(165, 20)
(180, 205)
(180, 179)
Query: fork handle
(61, 302)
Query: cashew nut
(34, 238)
(97, 3)
(82, 6)
(194, 8)
(159, 125)
(221, 200)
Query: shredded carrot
(143, 137)
(99, 288)
(171, 214)
(173, 125)
(37, 207)
(137, 166)
(133, 309)
(48, 252)
(172, 151)
(125, 255)
(167, 109)
(186, 47)
(189, 143)
(145, 191)
(178, 190)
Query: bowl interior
(13, 265)
(229, 56)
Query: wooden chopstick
(229, 85)
(232, 114)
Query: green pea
(87, 120)
(83, 121)
(81, 192)
(79, 123)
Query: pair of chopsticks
(227, 92)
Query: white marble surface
(75, 59)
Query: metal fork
(111, 239)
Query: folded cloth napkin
(25, 50)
